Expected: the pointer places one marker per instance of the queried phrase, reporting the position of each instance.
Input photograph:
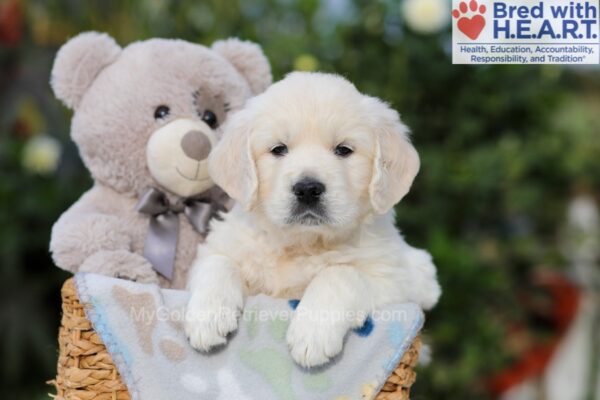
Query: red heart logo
(471, 27)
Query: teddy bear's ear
(78, 63)
(250, 61)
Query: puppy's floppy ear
(395, 163)
(231, 163)
(78, 63)
(249, 60)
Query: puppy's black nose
(308, 191)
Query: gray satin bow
(163, 233)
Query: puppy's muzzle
(308, 192)
(308, 207)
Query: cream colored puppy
(316, 168)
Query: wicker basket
(86, 371)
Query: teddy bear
(145, 118)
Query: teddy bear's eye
(210, 118)
(161, 112)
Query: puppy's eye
(210, 119)
(161, 112)
(280, 150)
(343, 151)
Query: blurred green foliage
(502, 147)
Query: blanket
(142, 328)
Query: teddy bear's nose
(195, 145)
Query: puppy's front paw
(314, 343)
(209, 319)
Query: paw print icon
(470, 19)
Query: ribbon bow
(161, 242)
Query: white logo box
(525, 32)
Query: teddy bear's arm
(91, 237)
(83, 230)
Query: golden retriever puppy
(316, 168)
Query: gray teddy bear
(145, 119)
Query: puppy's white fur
(350, 263)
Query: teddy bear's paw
(313, 343)
(209, 319)
(140, 271)
(121, 264)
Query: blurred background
(506, 200)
